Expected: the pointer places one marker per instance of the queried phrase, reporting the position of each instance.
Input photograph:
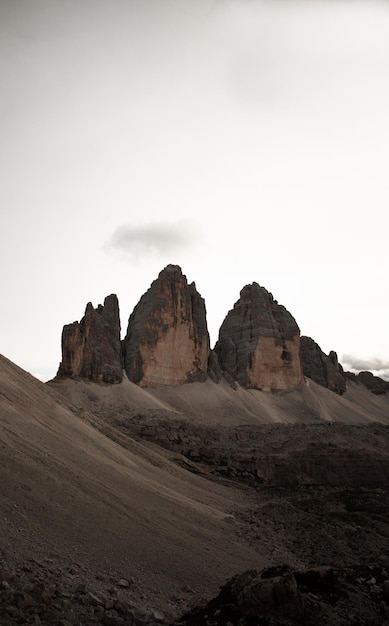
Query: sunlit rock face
(259, 343)
(91, 348)
(324, 370)
(167, 341)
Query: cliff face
(167, 341)
(91, 348)
(259, 343)
(324, 370)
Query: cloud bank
(158, 239)
(377, 366)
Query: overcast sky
(243, 140)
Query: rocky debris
(278, 455)
(91, 348)
(259, 343)
(319, 491)
(167, 340)
(375, 384)
(324, 370)
(42, 594)
(280, 596)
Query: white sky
(243, 140)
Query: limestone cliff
(259, 343)
(91, 348)
(324, 370)
(167, 341)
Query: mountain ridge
(167, 343)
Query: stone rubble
(42, 594)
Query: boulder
(280, 596)
(259, 343)
(91, 348)
(167, 340)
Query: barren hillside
(175, 490)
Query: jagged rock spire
(167, 340)
(91, 348)
(324, 370)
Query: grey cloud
(378, 366)
(154, 239)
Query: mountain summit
(259, 343)
(167, 340)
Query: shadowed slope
(219, 480)
(68, 490)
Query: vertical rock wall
(259, 343)
(324, 370)
(91, 348)
(167, 341)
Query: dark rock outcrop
(324, 370)
(91, 348)
(277, 455)
(167, 341)
(259, 343)
(280, 596)
(375, 384)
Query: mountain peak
(91, 348)
(167, 340)
(259, 343)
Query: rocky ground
(318, 508)
(279, 596)
(127, 516)
(40, 592)
(315, 495)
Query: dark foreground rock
(41, 593)
(280, 596)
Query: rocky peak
(324, 370)
(259, 343)
(91, 348)
(167, 341)
(375, 384)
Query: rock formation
(324, 370)
(259, 343)
(91, 348)
(281, 596)
(167, 341)
(375, 384)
